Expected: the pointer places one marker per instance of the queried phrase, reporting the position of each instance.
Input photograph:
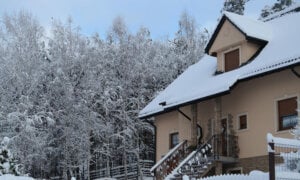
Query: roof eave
(169, 109)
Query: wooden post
(194, 125)
(271, 161)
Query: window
(287, 113)
(242, 122)
(174, 139)
(231, 60)
(237, 170)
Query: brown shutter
(232, 60)
(243, 122)
(286, 107)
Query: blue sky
(160, 16)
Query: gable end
(219, 27)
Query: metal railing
(284, 158)
(171, 160)
(225, 145)
(201, 161)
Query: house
(247, 85)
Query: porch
(207, 158)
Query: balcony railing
(225, 145)
(219, 147)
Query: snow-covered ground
(12, 177)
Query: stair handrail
(200, 148)
(167, 155)
(170, 156)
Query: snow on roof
(199, 80)
(252, 28)
(295, 6)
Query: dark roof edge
(166, 110)
(264, 74)
(169, 109)
(215, 33)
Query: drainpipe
(198, 126)
(155, 138)
(295, 72)
(194, 125)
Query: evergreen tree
(281, 4)
(235, 6)
(266, 11)
(8, 164)
(278, 6)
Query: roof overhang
(169, 109)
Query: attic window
(231, 60)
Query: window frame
(230, 50)
(238, 121)
(278, 123)
(171, 135)
(235, 169)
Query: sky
(159, 16)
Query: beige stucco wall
(167, 124)
(257, 98)
(230, 38)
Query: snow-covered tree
(8, 164)
(235, 6)
(188, 43)
(71, 102)
(276, 7)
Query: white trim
(238, 121)
(239, 47)
(285, 96)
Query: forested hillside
(69, 102)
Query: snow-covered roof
(250, 27)
(294, 7)
(199, 81)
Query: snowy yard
(12, 177)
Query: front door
(224, 136)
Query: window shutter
(243, 122)
(287, 107)
(232, 60)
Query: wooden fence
(131, 171)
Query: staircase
(198, 163)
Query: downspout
(295, 72)
(155, 138)
(187, 117)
